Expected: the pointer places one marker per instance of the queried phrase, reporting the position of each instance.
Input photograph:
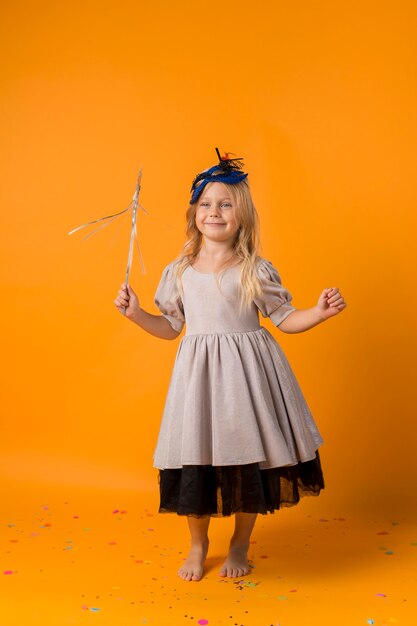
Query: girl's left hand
(331, 302)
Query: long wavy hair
(245, 246)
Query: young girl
(236, 436)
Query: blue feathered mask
(226, 171)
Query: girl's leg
(236, 564)
(194, 564)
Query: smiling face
(216, 214)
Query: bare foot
(236, 563)
(194, 564)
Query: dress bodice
(209, 303)
(214, 308)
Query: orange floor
(108, 558)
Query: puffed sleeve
(275, 301)
(168, 299)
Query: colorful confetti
(158, 579)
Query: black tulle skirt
(219, 491)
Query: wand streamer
(134, 205)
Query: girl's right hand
(127, 299)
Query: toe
(223, 571)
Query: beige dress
(233, 398)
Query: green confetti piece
(282, 598)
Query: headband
(226, 171)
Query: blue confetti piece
(370, 621)
(94, 608)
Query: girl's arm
(156, 325)
(330, 303)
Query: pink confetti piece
(8, 572)
(202, 622)
(84, 607)
(116, 511)
(383, 532)
(293, 590)
(112, 543)
(322, 519)
(381, 595)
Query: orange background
(320, 100)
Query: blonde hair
(245, 246)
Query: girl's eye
(226, 204)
